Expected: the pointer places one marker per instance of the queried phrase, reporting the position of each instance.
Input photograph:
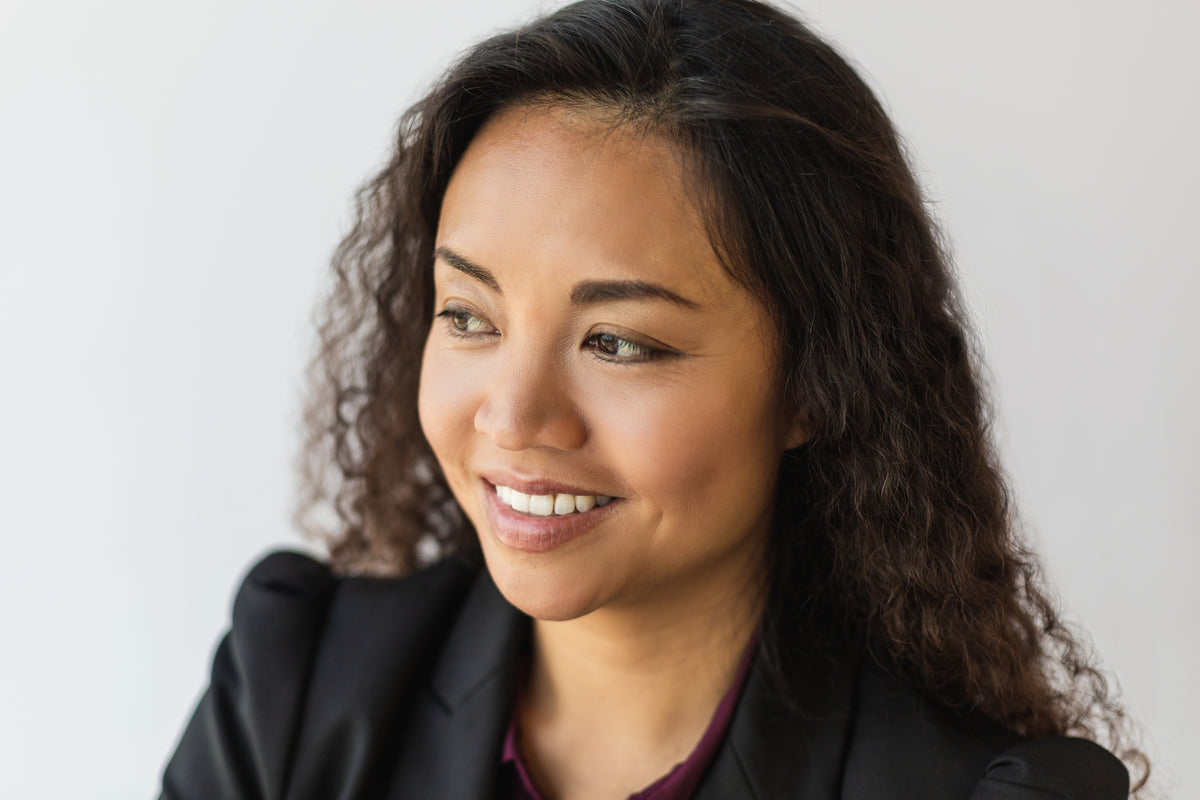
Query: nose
(528, 404)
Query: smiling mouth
(546, 505)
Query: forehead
(570, 195)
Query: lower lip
(531, 534)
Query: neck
(640, 677)
(635, 687)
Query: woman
(662, 467)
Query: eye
(463, 322)
(611, 347)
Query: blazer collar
(485, 642)
(773, 750)
(778, 749)
(455, 728)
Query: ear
(798, 431)
(798, 435)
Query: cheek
(689, 448)
(445, 404)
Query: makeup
(533, 533)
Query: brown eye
(616, 348)
(464, 322)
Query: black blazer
(356, 688)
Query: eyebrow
(586, 293)
(593, 292)
(469, 267)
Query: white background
(173, 177)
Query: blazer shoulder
(241, 737)
(905, 746)
(292, 610)
(1064, 768)
(291, 605)
(283, 584)
(233, 746)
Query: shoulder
(288, 601)
(905, 745)
(295, 622)
(291, 612)
(293, 584)
(283, 588)
(1060, 767)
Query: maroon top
(678, 784)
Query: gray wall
(173, 177)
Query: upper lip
(535, 486)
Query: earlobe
(797, 435)
(798, 428)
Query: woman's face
(588, 345)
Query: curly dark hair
(893, 535)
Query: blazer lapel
(777, 751)
(380, 638)
(451, 743)
(447, 742)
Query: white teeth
(541, 505)
(544, 505)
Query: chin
(539, 590)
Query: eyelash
(456, 321)
(452, 316)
